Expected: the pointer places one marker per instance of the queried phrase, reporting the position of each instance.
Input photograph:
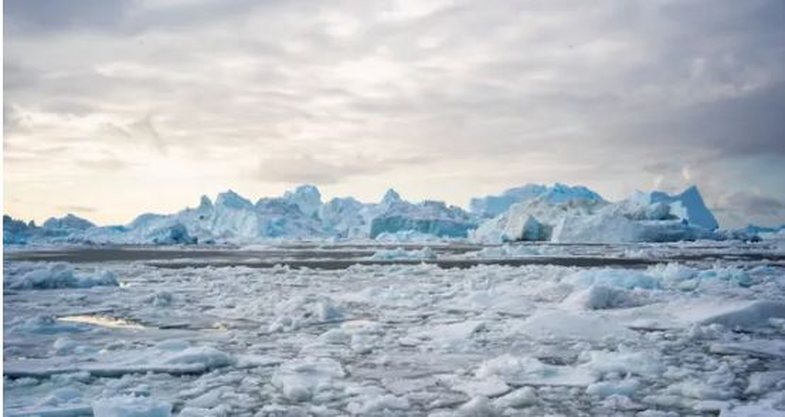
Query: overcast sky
(113, 108)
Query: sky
(114, 108)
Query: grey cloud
(145, 129)
(45, 17)
(306, 168)
(597, 92)
(107, 163)
(77, 209)
(57, 15)
(754, 204)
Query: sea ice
(57, 275)
(129, 406)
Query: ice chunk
(378, 404)
(640, 363)
(176, 358)
(431, 217)
(343, 218)
(762, 382)
(58, 275)
(232, 200)
(530, 371)
(492, 386)
(130, 406)
(759, 348)
(391, 197)
(17, 231)
(300, 379)
(493, 205)
(203, 356)
(564, 325)
(754, 314)
(652, 217)
(478, 406)
(688, 205)
(619, 278)
(425, 253)
(762, 408)
(305, 310)
(626, 387)
(306, 197)
(449, 336)
(600, 297)
(519, 398)
(67, 223)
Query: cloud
(106, 163)
(616, 95)
(77, 209)
(306, 168)
(755, 205)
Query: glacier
(556, 213)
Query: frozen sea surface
(332, 330)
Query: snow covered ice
(685, 329)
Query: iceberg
(688, 206)
(563, 215)
(494, 205)
(534, 219)
(429, 217)
(69, 222)
(306, 197)
(343, 217)
(16, 231)
(557, 213)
